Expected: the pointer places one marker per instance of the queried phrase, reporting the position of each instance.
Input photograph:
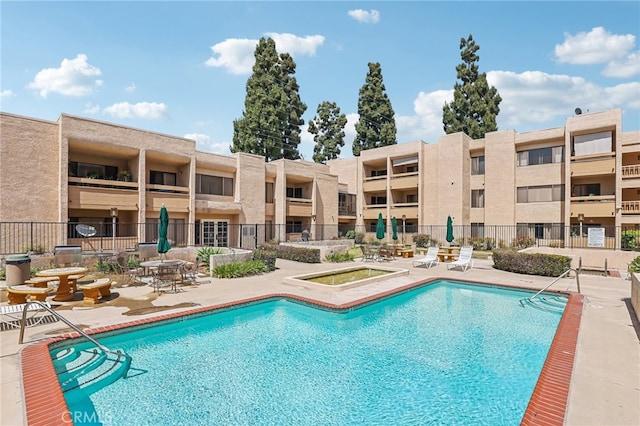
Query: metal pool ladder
(100, 346)
(564, 274)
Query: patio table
(64, 292)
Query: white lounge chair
(464, 260)
(12, 314)
(430, 259)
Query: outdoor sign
(595, 237)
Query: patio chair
(430, 259)
(129, 272)
(165, 276)
(368, 253)
(385, 253)
(189, 270)
(464, 261)
(10, 315)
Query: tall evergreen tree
(475, 105)
(376, 125)
(272, 116)
(328, 130)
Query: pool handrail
(100, 346)
(564, 274)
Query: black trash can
(18, 269)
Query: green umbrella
(449, 230)
(380, 227)
(163, 227)
(394, 229)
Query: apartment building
(552, 184)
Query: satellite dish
(86, 230)
(578, 111)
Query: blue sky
(180, 68)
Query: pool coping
(44, 399)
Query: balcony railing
(630, 207)
(631, 171)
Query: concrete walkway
(605, 386)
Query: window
(596, 143)
(477, 165)
(538, 194)
(268, 193)
(346, 204)
(378, 200)
(162, 178)
(585, 190)
(294, 226)
(412, 198)
(94, 171)
(412, 169)
(549, 231)
(294, 192)
(214, 185)
(477, 230)
(538, 156)
(375, 173)
(477, 198)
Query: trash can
(18, 269)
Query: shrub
(340, 257)
(482, 243)
(359, 238)
(547, 265)
(634, 266)
(424, 240)
(350, 234)
(266, 256)
(297, 254)
(630, 240)
(240, 269)
(205, 252)
(523, 242)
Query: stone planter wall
(230, 256)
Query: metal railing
(23, 320)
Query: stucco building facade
(545, 183)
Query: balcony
(374, 184)
(593, 167)
(630, 207)
(631, 171)
(299, 207)
(174, 198)
(99, 194)
(371, 211)
(404, 181)
(594, 206)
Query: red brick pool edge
(45, 404)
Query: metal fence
(43, 237)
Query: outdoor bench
(17, 294)
(96, 290)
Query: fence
(42, 237)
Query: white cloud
(601, 47)
(74, 77)
(625, 67)
(146, 110)
(90, 108)
(237, 55)
(294, 45)
(205, 144)
(130, 88)
(6, 94)
(368, 17)
(529, 100)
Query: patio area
(605, 385)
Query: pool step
(550, 303)
(89, 369)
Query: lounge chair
(430, 259)
(11, 315)
(464, 260)
(368, 254)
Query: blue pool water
(445, 353)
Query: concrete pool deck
(604, 388)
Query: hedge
(546, 265)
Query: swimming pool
(445, 353)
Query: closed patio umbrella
(163, 228)
(394, 229)
(380, 227)
(449, 237)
